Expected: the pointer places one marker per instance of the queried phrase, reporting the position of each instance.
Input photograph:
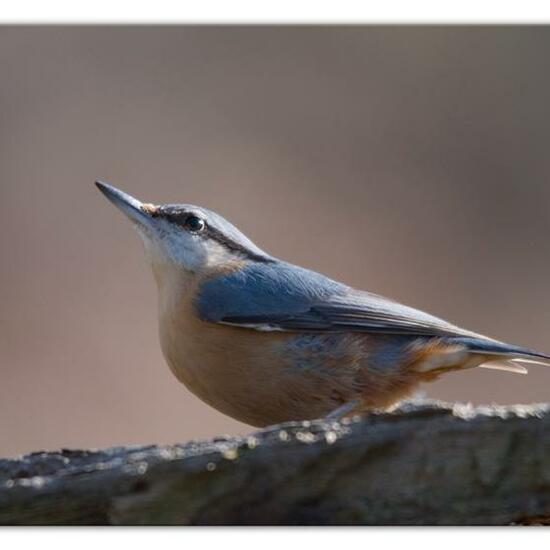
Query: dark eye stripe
(230, 244)
(180, 216)
(175, 215)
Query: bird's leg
(342, 410)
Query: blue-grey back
(265, 290)
(281, 296)
(276, 295)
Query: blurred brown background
(412, 162)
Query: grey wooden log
(426, 463)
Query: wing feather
(281, 296)
(277, 296)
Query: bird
(265, 341)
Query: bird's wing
(280, 296)
(355, 312)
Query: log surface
(426, 463)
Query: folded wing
(284, 297)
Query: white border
(275, 11)
(281, 11)
(275, 538)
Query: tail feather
(530, 361)
(504, 351)
(508, 366)
(434, 357)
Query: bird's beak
(137, 211)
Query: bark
(426, 463)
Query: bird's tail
(504, 356)
(458, 353)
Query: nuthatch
(265, 341)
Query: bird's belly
(244, 374)
(263, 378)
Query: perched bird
(265, 341)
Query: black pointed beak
(132, 207)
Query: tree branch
(426, 463)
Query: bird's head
(185, 237)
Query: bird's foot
(342, 410)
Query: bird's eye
(194, 224)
